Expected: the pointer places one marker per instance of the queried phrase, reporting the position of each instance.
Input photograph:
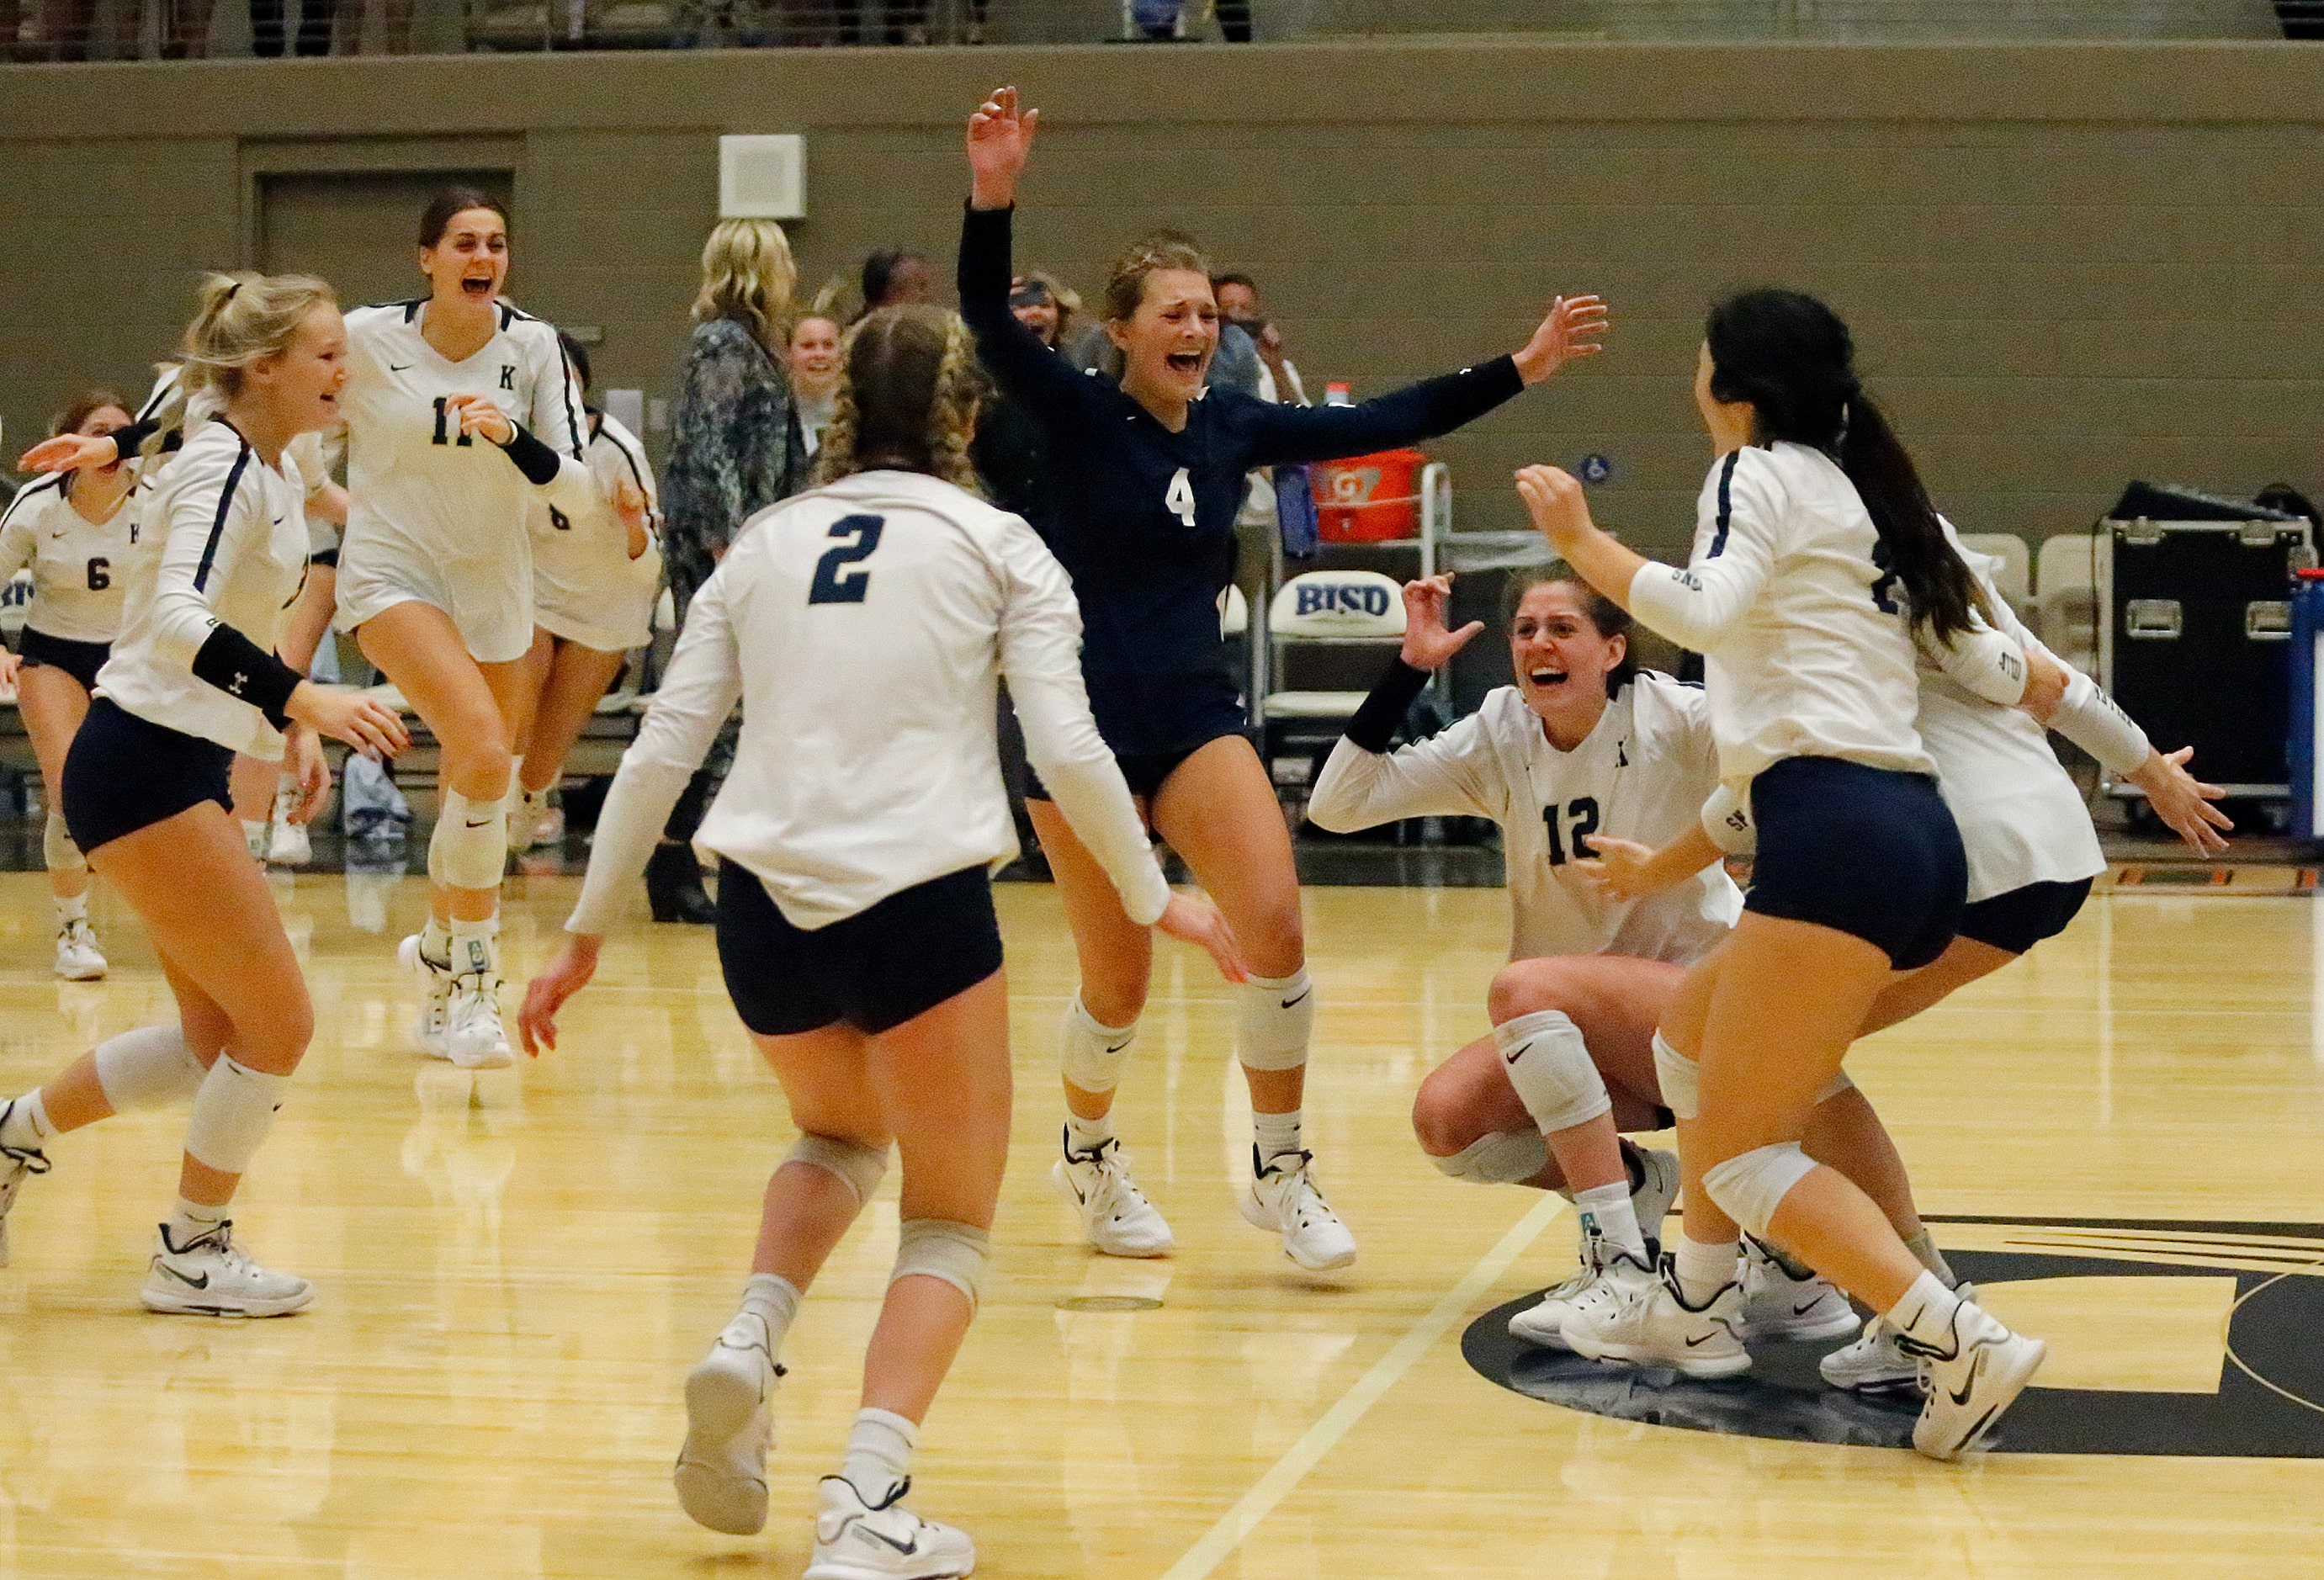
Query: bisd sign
(1359, 600)
(2166, 1337)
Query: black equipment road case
(2195, 629)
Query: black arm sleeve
(1417, 411)
(1375, 723)
(1045, 381)
(128, 441)
(240, 667)
(535, 459)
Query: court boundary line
(1234, 1527)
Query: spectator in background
(895, 278)
(735, 448)
(1278, 379)
(1044, 307)
(815, 376)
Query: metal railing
(78, 30)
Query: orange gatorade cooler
(1369, 499)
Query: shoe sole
(842, 1570)
(2002, 1391)
(1630, 1354)
(173, 1305)
(493, 1059)
(1255, 1216)
(1064, 1186)
(95, 976)
(1789, 1332)
(1891, 1385)
(720, 1400)
(719, 1503)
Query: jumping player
(1143, 483)
(866, 625)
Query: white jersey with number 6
(79, 566)
(865, 627)
(1641, 774)
(437, 515)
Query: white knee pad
(233, 1112)
(858, 1167)
(57, 847)
(1548, 1063)
(149, 1067)
(1838, 1084)
(1092, 1054)
(1278, 1016)
(1681, 1078)
(470, 845)
(1505, 1157)
(1749, 1188)
(939, 1248)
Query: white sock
(286, 799)
(260, 835)
(1609, 1209)
(191, 1219)
(27, 1124)
(472, 946)
(1924, 1247)
(1926, 1315)
(775, 1300)
(1276, 1133)
(1703, 1270)
(435, 942)
(879, 1453)
(1086, 1135)
(72, 907)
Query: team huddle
(1871, 731)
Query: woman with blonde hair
(865, 627)
(192, 679)
(736, 447)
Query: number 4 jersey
(438, 515)
(79, 566)
(1643, 773)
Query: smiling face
(300, 383)
(469, 261)
(815, 354)
(1038, 314)
(1239, 303)
(1167, 344)
(1561, 660)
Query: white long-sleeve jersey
(420, 488)
(80, 568)
(865, 627)
(233, 551)
(585, 587)
(1806, 649)
(1641, 774)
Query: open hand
(1191, 920)
(999, 138)
(1571, 330)
(1617, 869)
(364, 723)
(1427, 643)
(560, 979)
(2183, 801)
(70, 452)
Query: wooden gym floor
(510, 1293)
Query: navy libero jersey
(1143, 518)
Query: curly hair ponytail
(909, 392)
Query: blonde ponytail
(244, 318)
(909, 389)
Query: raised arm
(1363, 784)
(999, 138)
(1434, 406)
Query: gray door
(358, 229)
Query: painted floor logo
(2165, 1338)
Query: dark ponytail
(1792, 359)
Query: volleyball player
(460, 408)
(1144, 480)
(1817, 562)
(191, 680)
(2033, 854)
(77, 531)
(595, 579)
(866, 625)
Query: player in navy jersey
(1143, 482)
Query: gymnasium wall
(2067, 264)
